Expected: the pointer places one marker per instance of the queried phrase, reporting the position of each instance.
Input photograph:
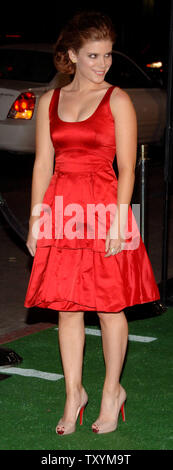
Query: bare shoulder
(120, 102)
(120, 96)
(45, 99)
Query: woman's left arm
(126, 150)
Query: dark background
(142, 25)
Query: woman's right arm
(43, 164)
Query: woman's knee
(107, 316)
(69, 314)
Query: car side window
(125, 74)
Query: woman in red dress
(86, 123)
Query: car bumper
(17, 136)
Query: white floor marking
(50, 376)
(30, 373)
(141, 339)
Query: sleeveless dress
(70, 271)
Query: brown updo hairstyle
(84, 26)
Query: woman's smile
(99, 72)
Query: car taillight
(23, 106)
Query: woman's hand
(112, 243)
(31, 241)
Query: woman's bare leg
(114, 330)
(71, 334)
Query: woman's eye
(93, 56)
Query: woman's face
(93, 60)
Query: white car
(27, 71)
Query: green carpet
(31, 406)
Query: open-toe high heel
(109, 427)
(70, 427)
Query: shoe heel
(123, 412)
(81, 414)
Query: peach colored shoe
(109, 427)
(71, 427)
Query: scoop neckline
(84, 120)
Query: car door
(149, 100)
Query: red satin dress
(70, 271)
